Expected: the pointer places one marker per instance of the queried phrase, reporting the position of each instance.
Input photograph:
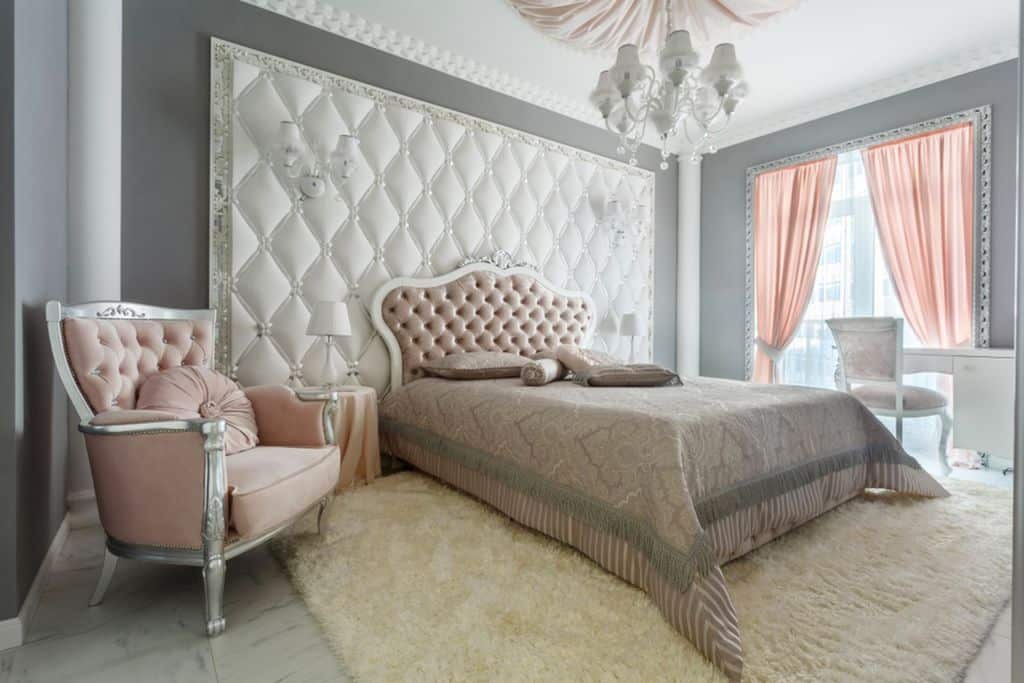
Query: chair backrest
(104, 350)
(870, 349)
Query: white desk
(982, 394)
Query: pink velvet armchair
(165, 489)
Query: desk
(983, 381)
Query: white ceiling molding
(324, 16)
(965, 62)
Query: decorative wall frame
(981, 118)
(434, 187)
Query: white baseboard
(82, 510)
(12, 631)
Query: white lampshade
(605, 95)
(678, 56)
(632, 326)
(627, 70)
(329, 318)
(347, 147)
(724, 69)
(288, 134)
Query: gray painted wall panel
(9, 602)
(723, 200)
(33, 265)
(166, 137)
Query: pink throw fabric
(922, 191)
(607, 24)
(191, 391)
(790, 211)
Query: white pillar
(94, 176)
(688, 270)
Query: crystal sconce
(305, 170)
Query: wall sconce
(293, 155)
(622, 221)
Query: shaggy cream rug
(414, 581)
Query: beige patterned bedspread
(688, 476)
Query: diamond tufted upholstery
(111, 358)
(433, 187)
(482, 311)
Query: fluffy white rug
(415, 581)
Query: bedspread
(660, 485)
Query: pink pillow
(191, 391)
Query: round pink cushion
(191, 391)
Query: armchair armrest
(285, 418)
(160, 480)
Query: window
(852, 279)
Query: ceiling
(823, 57)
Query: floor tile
(992, 664)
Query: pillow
(191, 391)
(579, 359)
(476, 365)
(539, 372)
(639, 375)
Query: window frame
(981, 119)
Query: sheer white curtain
(852, 279)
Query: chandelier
(696, 101)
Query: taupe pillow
(541, 371)
(639, 375)
(579, 359)
(476, 365)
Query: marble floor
(150, 626)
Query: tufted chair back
(105, 350)
(482, 310)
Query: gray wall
(723, 200)
(166, 137)
(34, 263)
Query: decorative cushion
(639, 375)
(477, 365)
(192, 391)
(578, 359)
(883, 397)
(539, 372)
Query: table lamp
(632, 326)
(329, 320)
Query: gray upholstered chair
(870, 366)
(165, 488)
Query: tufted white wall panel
(433, 188)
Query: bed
(660, 486)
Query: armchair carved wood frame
(136, 341)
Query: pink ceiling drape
(603, 25)
(922, 191)
(790, 211)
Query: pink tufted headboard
(476, 308)
(104, 351)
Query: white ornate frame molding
(981, 118)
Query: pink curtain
(790, 211)
(922, 191)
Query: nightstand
(355, 427)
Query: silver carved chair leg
(947, 425)
(214, 527)
(106, 574)
(321, 513)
